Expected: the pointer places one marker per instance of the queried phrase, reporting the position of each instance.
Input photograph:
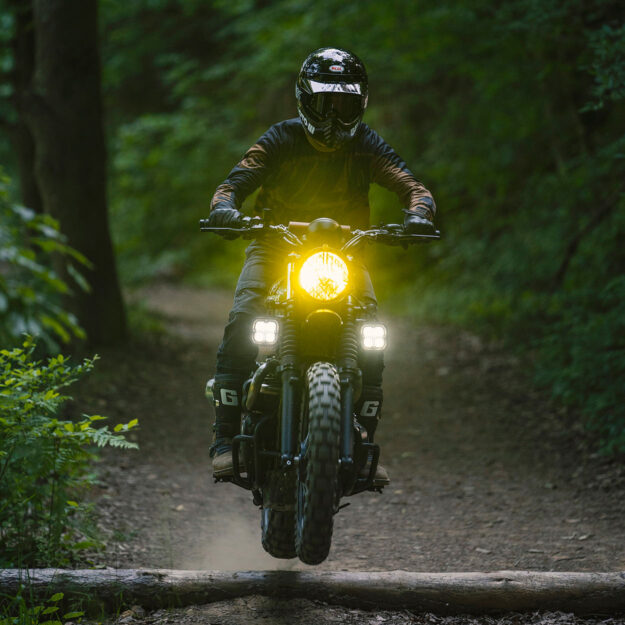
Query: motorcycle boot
(369, 411)
(226, 392)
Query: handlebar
(388, 234)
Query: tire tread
(314, 537)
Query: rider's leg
(236, 357)
(235, 360)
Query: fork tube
(349, 375)
(290, 384)
(347, 433)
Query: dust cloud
(237, 549)
(231, 543)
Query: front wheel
(319, 463)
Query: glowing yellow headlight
(323, 276)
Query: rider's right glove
(415, 223)
(225, 218)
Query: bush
(44, 460)
(30, 288)
(583, 360)
(23, 613)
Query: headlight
(374, 336)
(323, 276)
(265, 332)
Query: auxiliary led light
(374, 336)
(324, 276)
(265, 332)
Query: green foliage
(45, 460)
(30, 287)
(608, 64)
(156, 203)
(172, 138)
(537, 257)
(20, 611)
(583, 352)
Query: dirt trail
(484, 475)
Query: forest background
(511, 113)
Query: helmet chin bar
(334, 138)
(328, 137)
(320, 147)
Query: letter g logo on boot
(229, 397)
(370, 409)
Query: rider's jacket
(301, 183)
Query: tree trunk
(64, 113)
(24, 146)
(23, 48)
(440, 593)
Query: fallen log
(441, 593)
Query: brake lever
(251, 231)
(390, 234)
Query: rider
(320, 165)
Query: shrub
(30, 288)
(19, 611)
(45, 460)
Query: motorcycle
(301, 447)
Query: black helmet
(331, 91)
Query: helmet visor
(347, 107)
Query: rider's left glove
(417, 223)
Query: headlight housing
(324, 275)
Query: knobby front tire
(316, 490)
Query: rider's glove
(415, 223)
(225, 218)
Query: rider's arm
(390, 171)
(248, 174)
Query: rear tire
(278, 526)
(317, 488)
